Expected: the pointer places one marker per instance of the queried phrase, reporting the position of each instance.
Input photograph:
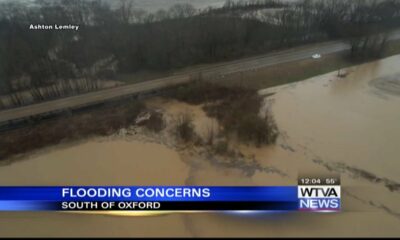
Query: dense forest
(125, 39)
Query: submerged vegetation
(184, 128)
(237, 110)
(121, 40)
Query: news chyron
(311, 194)
(319, 194)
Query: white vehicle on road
(316, 56)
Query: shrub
(198, 92)
(257, 130)
(184, 127)
(155, 123)
(221, 148)
(133, 109)
(211, 134)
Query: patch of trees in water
(132, 40)
(237, 110)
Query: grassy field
(296, 71)
(393, 48)
(286, 72)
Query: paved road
(215, 70)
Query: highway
(215, 70)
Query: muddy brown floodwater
(328, 124)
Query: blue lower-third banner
(150, 198)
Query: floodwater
(348, 126)
(328, 125)
(346, 120)
(98, 162)
(94, 163)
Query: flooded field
(327, 123)
(352, 120)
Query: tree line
(180, 36)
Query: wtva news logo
(319, 198)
